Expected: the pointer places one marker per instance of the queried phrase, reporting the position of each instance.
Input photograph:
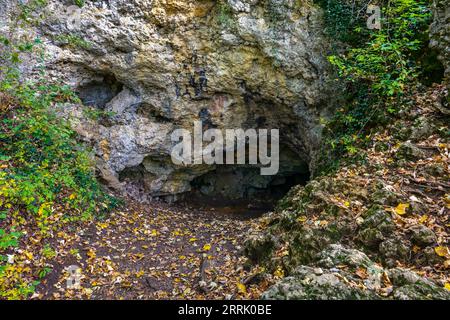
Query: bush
(47, 178)
(379, 67)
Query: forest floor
(154, 251)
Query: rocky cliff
(148, 67)
(440, 31)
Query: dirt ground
(156, 251)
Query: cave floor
(157, 251)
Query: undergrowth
(380, 69)
(46, 177)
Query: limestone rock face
(154, 66)
(440, 31)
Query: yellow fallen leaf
(140, 274)
(284, 253)
(401, 208)
(242, 288)
(44, 208)
(447, 198)
(423, 219)
(91, 254)
(442, 251)
(302, 219)
(362, 273)
(102, 225)
(279, 273)
(28, 254)
(447, 286)
(323, 223)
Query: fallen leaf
(279, 273)
(442, 251)
(362, 273)
(401, 208)
(242, 288)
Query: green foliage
(224, 14)
(45, 163)
(8, 240)
(48, 252)
(29, 12)
(379, 67)
(44, 272)
(73, 41)
(96, 114)
(342, 17)
(46, 177)
(386, 62)
(79, 3)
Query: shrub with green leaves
(387, 61)
(47, 177)
(379, 67)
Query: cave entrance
(242, 190)
(238, 190)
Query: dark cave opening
(253, 202)
(98, 93)
(229, 189)
(243, 190)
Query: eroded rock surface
(153, 66)
(331, 283)
(439, 31)
(377, 229)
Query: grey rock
(306, 285)
(439, 34)
(336, 254)
(422, 236)
(409, 151)
(395, 249)
(376, 227)
(409, 286)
